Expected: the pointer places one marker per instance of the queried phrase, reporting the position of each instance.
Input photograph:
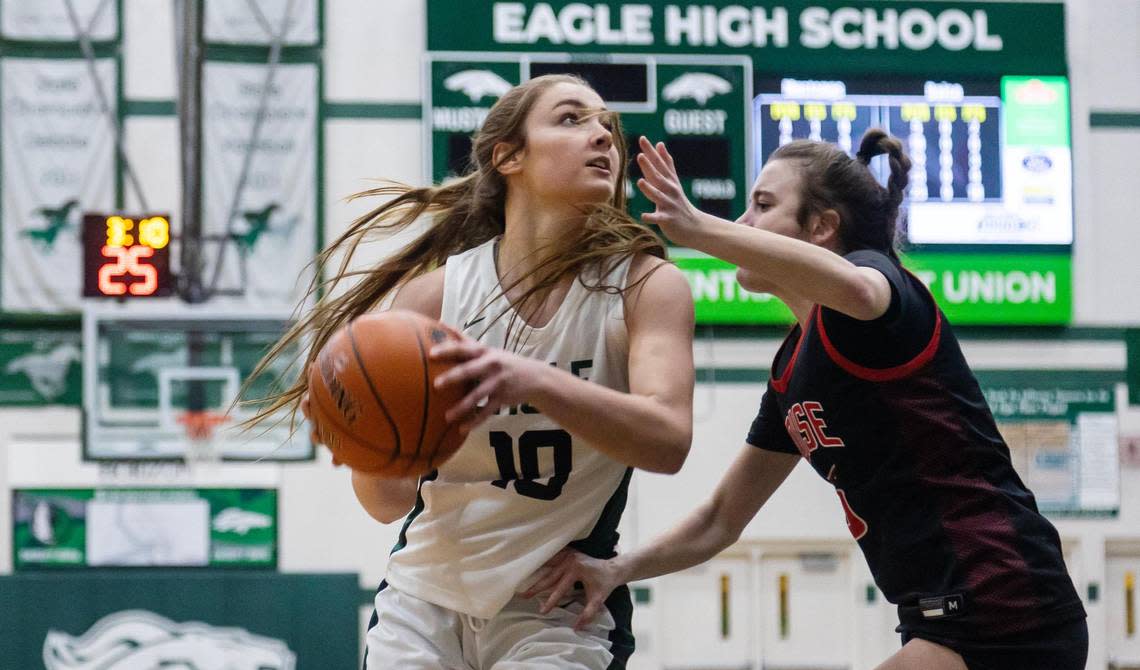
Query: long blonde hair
(466, 212)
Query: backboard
(146, 372)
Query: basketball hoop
(201, 445)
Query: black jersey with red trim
(889, 412)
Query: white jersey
(520, 488)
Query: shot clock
(126, 256)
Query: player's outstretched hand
(675, 215)
(569, 566)
(495, 378)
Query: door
(705, 618)
(1122, 642)
(807, 606)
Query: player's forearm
(816, 274)
(695, 540)
(637, 430)
(385, 499)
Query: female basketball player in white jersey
(577, 343)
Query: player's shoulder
(644, 267)
(657, 287)
(422, 293)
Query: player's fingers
(480, 367)
(593, 605)
(468, 406)
(661, 179)
(650, 152)
(559, 593)
(544, 584)
(651, 172)
(490, 408)
(458, 350)
(652, 192)
(666, 157)
(481, 397)
(655, 219)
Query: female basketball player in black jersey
(872, 389)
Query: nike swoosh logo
(473, 322)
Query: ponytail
(830, 179)
(876, 142)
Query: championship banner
(58, 160)
(39, 366)
(49, 20)
(229, 619)
(255, 23)
(88, 528)
(259, 180)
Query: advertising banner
(85, 528)
(1062, 429)
(972, 289)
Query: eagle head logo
(477, 84)
(699, 86)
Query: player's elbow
(673, 454)
(863, 298)
(384, 515)
(384, 500)
(723, 531)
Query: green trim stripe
(603, 537)
(402, 540)
(733, 375)
(1066, 378)
(150, 108)
(62, 50)
(1114, 119)
(373, 110)
(320, 148)
(229, 53)
(964, 333)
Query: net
(202, 447)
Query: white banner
(58, 160)
(247, 22)
(272, 230)
(48, 20)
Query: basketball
(372, 400)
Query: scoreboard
(126, 256)
(976, 91)
(975, 177)
(699, 106)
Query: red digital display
(126, 256)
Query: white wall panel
(373, 50)
(150, 46)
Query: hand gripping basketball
(372, 398)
